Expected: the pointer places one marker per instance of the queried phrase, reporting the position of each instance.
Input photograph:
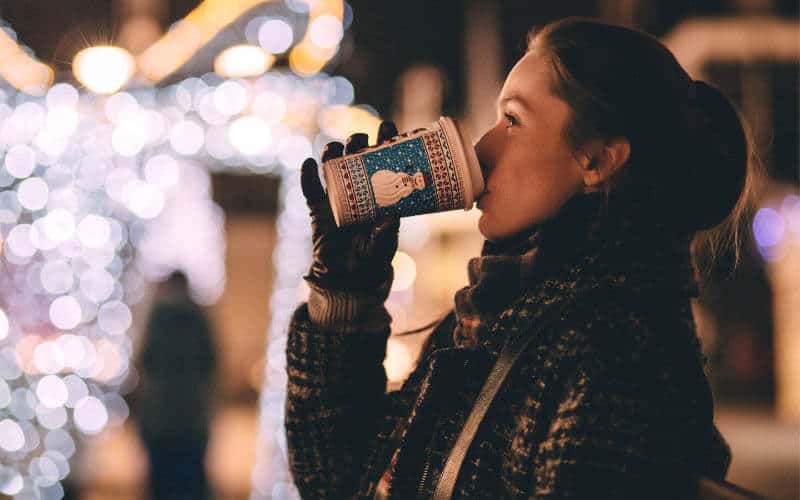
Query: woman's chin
(485, 226)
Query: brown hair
(690, 167)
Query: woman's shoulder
(604, 320)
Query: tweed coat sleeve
(633, 407)
(339, 419)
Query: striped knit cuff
(348, 311)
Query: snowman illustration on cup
(390, 186)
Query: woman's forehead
(527, 81)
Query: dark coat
(610, 399)
(600, 407)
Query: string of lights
(106, 188)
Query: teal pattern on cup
(428, 170)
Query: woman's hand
(352, 258)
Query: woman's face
(530, 170)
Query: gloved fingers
(322, 220)
(391, 224)
(332, 150)
(310, 183)
(356, 142)
(384, 238)
(386, 131)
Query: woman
(605, 163)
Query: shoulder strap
(508, 356)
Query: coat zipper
(426, 470)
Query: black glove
(352, 258)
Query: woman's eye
(511, 120)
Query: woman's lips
(480, 199)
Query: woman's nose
(485, 153)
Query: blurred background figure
(173, 402)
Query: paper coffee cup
(434, 169)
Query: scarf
(582, 247)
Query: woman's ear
(602, 159)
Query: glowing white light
(93, 231)
(130, 136)
(62, 94)
(51, 391)
(405, 271)
(155, 126)
(23, 125)
(11, 435)
(342, 91)
(250, 135)
(3, 325)
(208, 111)
(230, 98)
(145, 200)
(91, 172)
(33, 193)
(270, 106)
(186, 137)
(61, 121)
(162, 170)
(103, 69)
(275, 36)
(326, 31)
(117, 182)
(59, 225)
(243, 61)
(76, 388)
(19, 241)
(114, 317)
(20, 161)
(120, 106)
(65, 312)
(51, 418)
(294, 150)
(96, 284)
(90, 415)
(39, 236)
(56, 276)
(12, 483)
(217, 143)
(48, 358)
(72, 349)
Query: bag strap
(508, 356)
(708, 489)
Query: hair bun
(718, 156)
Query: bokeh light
(100, 194)
(103, 69)
(32, 193)
(250, 135)
(326, 31)
(275, 36)
(11, 436)
(90, 415)
(3, 325)
(242, 61)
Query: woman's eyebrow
(516, 98)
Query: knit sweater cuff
(349, 311)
